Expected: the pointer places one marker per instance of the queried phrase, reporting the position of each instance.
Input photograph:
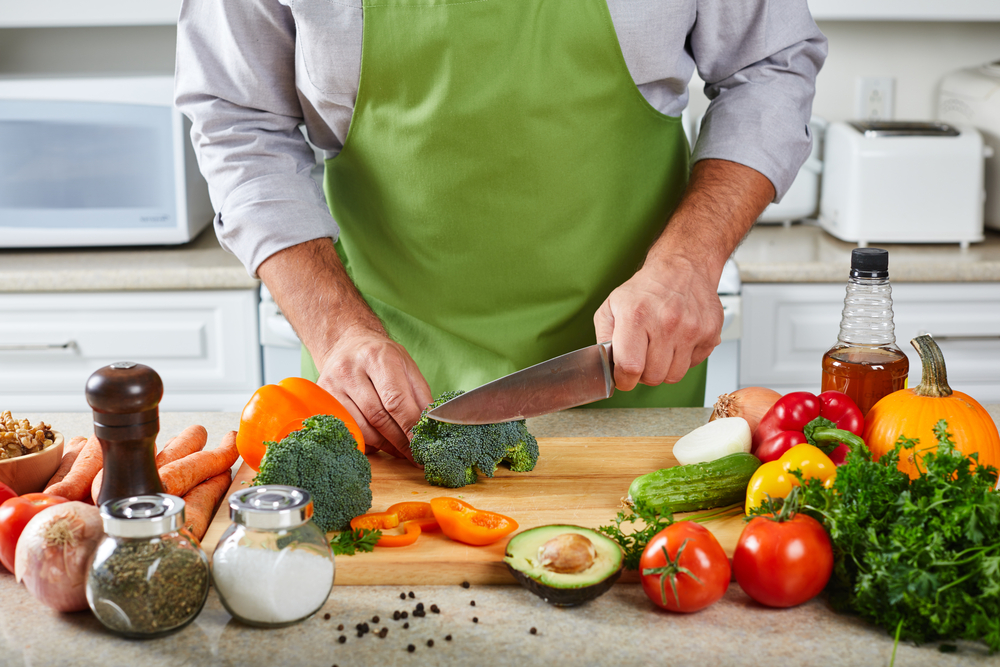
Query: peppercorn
(533, 631)
(419, 613)
(326, 617)
(383, 632)
(447, 638)
(472, 603)
(404, 614)
(406, 626)
(412, 595)
(420, 606)
(375, 619)
(475, 619)
(430, 642)
(465, 584)
(402, 596)
(434, 609)
(342, 639)
(340, 627)
(411, 648)
(395, 615)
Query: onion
(713, 440)
(751, 403)
(52, 554)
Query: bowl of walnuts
(29, 453)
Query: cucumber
(696, 486)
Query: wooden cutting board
(577, 481)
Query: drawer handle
(962, 337)
(36, 347)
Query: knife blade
(567, 381)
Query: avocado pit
(568, 553)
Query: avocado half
(564, 565)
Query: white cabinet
(203, 343)
(788, 327)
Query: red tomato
(14, 516)
(684, 568)
(6, 493)
(783, 564)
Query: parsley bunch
(355, 540)
(920, 556)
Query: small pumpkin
(913, 413)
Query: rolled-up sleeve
(235, 80)
(759, 61)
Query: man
(499, 174)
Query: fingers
(380, 385)
(659, 329)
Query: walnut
(20, 437)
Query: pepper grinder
(125, 397)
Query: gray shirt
(252, 74)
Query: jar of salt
(149, 576)
(273, 566)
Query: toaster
(903, 182)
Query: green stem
(831, 437)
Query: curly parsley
(921, 557)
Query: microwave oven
(97, 162)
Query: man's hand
(373, 376)
(667, 317)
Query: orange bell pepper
(416, 517)
(774, 478)
(275, 410)
(464, 523)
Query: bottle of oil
(866, 364)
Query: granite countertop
(801, 252)
(620, 628)
(804, 252)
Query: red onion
(53, 552)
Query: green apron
(501, 176)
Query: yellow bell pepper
(776, 480)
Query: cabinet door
(204, 345)
(787, 328)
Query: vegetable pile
(454, 455)
(919, 557)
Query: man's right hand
(373, 376)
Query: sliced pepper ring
(415, 517)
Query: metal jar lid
(143, 516)
(271, 507)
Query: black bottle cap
(869, 263)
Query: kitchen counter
(804, 252)
(200, 264)
(801, 252)
(620, 628)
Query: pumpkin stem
(934, 376)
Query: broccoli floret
(454, 455)
(323, 459)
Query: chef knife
(573, 379)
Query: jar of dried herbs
(149, 576)
(273, 566)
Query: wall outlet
(874, 98)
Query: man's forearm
(314, 292)
(722, 201)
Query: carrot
(201, 501)
(70, 452)
(184, 474)
(77, 482)
(191, 440)
(95, 488)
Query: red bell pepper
(830, 421)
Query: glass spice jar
(273, 566)
(149, 576)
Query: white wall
(916, 54)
